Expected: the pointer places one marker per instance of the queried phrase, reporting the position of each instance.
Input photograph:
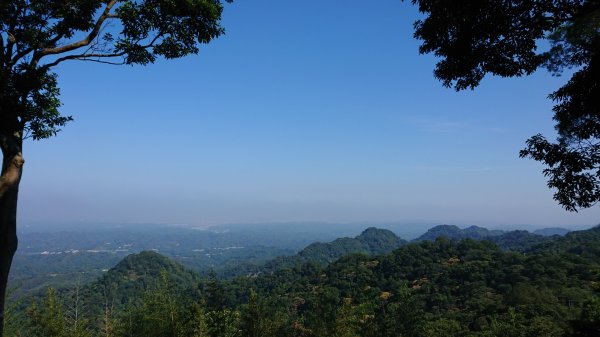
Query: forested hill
(370, 241)
(451, 288)
(585, 244)
(454, 232)
(131, 277)
(517, 240)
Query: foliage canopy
(505, 38)
(37, 35)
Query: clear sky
(303, 111)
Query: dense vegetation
(371, 241)
(518, 240)
(428, 288)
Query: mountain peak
(456, 233)
(380, 240)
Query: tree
(504, 38)
(589, 322)
(251, 318)
(48, 319)
(36, 36)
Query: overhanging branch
(84, 42)
(83, 57)
(94, 57)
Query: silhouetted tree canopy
(38, 35)
(515, 38)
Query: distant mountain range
(517, 240)
(136, 273)
(376, 241)
(454, 232)
(552, 231)
(62, 260)
(372, 241)
(131, 277)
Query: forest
(445, 287)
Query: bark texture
(12, 169)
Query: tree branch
(31, 49)
(87, 40)
(1, 48)
(88, 57)
(104, 62)
(52, 42)
(19, 55)
(83, 57)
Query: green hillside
(371, 241)
(517, 240)
(131, 277)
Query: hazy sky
(304, 110)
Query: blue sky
(303, 111)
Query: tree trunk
(12, 169)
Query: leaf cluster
(36, 36)
(505, 38)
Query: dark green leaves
(573, 170)
(499, 37)
(478, 37)
(574, 160)
(37, 35)
(171, 29)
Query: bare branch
(104, 62)
(90, 56)
(83, 57)
(84, 42)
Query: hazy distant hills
(135, 274)
(517, 240)
(585, 243)
(551, 231)
(129, 279)
(454, 232)
(370, 241)
(64, 259)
